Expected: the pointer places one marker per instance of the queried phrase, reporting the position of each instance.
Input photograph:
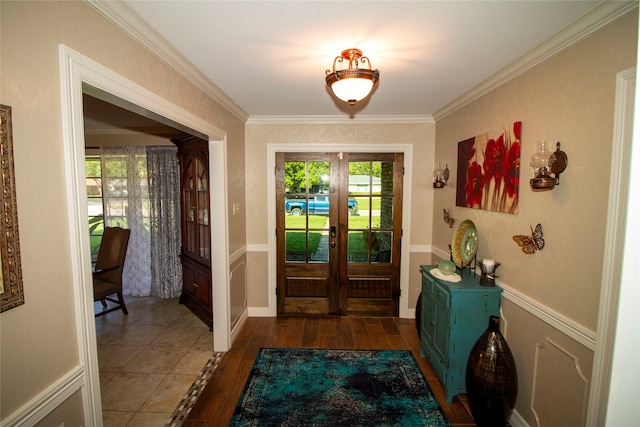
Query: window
(94, 203)
(117, 193)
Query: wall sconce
(547, 166)
(440, 176)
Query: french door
(338, 233)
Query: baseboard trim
(235, 330)
(259, 312)
(516, 420)
(48, 400)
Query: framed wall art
(11, 291)
(489, 170)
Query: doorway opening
(78, 72)
(149, 358)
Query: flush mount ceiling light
(352, 84)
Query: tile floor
(148, 360)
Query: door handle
(332, 232)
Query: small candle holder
(488, 269)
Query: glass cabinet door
(202, 186)
(195, 193)
(189, 201)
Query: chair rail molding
(48, 400)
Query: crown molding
(591, 21)
(340, 120)
(596, 18)
(127, 20)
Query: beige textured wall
(39, 342)
(258, 136)
(568, 98)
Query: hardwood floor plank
(361, 337)
(343, 334)
(310, 337)
(389, 326)
(378, 337)
(327, 326)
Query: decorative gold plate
(464, 244)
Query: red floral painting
(489, 170)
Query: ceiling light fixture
(352, 84)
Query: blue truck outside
(318, 205)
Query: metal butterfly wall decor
(447, 218)
(530, 244)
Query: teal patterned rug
(306, 387)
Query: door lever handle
(332, 232)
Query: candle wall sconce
(547, 166)
(440, 176)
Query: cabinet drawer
(427, 284)
(441, 295)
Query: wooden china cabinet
(193, 156)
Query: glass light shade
(438, 176)
(352, 89)
(542, 160)
(353, 82)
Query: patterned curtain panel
(164, 196)
(126, 202)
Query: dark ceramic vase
(491, 378)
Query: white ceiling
(270, 57)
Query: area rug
(307, 387)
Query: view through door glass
(307, 212)
(371, 230)
(307, 209)
(370, 276)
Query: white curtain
(164, 195)
(126, 202)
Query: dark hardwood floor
(217, 402)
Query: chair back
(112, 253)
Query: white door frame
(406, 149)
(76, 70)
(613, 248)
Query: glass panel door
(338, 227)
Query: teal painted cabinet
(453, 317)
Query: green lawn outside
(295, 239)
(363, 203)
(362, 222)
(300, 222)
